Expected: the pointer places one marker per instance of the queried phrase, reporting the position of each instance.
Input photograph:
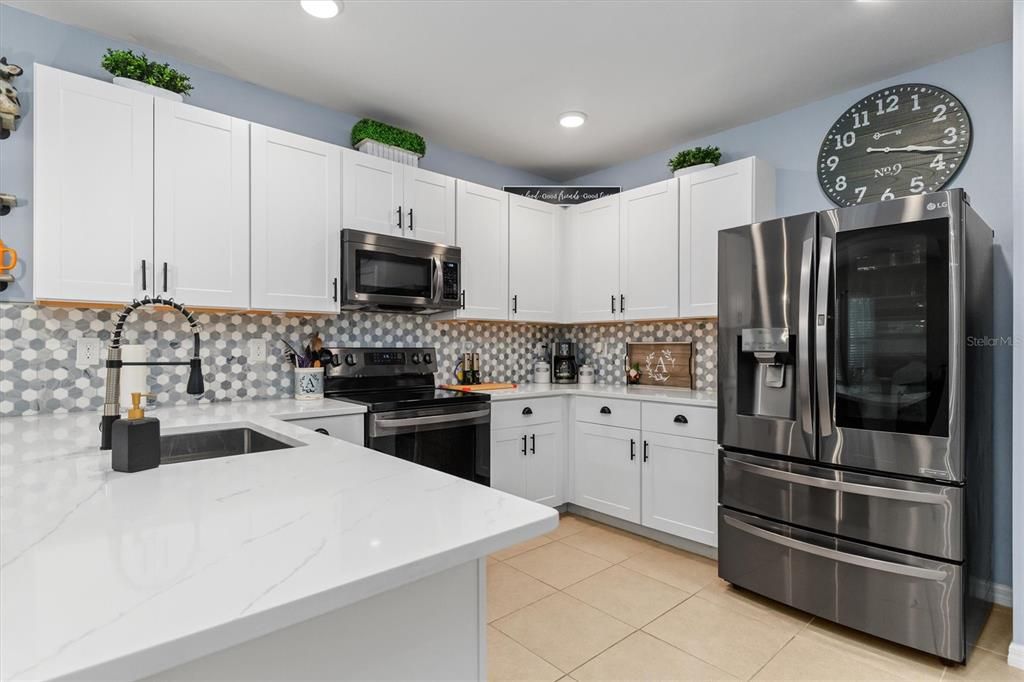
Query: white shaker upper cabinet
(296, 222)
(93, 194)
(429, 204)
(593, 243)
(201, 206)
(534, 263)
(482, 234)
(733, 194)
(372, 199)
(649, 270)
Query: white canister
(542, 372)
(586, 374)
(309, 383)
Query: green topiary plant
(695, 156)
(368, 129)
(127, 64)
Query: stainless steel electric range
(408, 416)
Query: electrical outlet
(257, 351)
(87, 352)
(599, 349)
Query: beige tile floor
(590, 602)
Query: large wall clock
(901, 140)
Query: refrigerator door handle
(842, 486)
(836, 555)
(803, 338)
(821, 336)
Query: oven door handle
(431, 419)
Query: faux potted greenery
(693, 160)
(138, 72)
(389, 142)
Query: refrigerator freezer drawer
(923, 518)
(902, 598)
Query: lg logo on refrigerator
(931, 205)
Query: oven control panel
(382, 362)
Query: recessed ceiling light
(572, 119)
(321, 9)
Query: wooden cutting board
(662, 364)
(477, 387)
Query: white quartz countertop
(680, 396)
(105, 575)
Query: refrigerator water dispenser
(766, 364)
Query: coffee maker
(564, 368)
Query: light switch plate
(257, 351)
(87, 352)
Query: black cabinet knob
(606, 410)
(527, 411)
(680, 419)
(323, 431)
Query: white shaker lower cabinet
(534, 261)
(93, 193)
(482, 234)
(201, 206)
(593, 257)
(733, 194)
(649, 257)
(607, 474)
(680, 486)
(296, 222)
(528, 462)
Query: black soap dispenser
(135, 441)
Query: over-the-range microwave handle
(803, 337)
(821, 336)
(437, 277)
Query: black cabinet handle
(515, 303)
(533, 443)
(622, 303)
(335, 289)
(645, 451)
(165, 277)
(462, 300)
(524, 445)
(680, 419)
(606, 410)
(323, 431)
(410, 220)
(613, 304)
(527, 411)
(144, 285)
(632, 449)
(400, 225)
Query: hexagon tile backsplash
(38, 372)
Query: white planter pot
(386, 151)
(692, 169)
(148, 89)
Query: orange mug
(8, 258)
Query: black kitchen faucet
(111, 403)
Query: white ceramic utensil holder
(309, 383)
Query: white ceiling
(490, 77)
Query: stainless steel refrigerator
(854, 416)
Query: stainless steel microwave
(396, 274)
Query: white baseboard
(1015, 656)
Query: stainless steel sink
(189, 447)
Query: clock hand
(909, 148)
(878, 136)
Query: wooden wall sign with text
(561, 196)
(662, 364)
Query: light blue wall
(982, 79)
(26, 38)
